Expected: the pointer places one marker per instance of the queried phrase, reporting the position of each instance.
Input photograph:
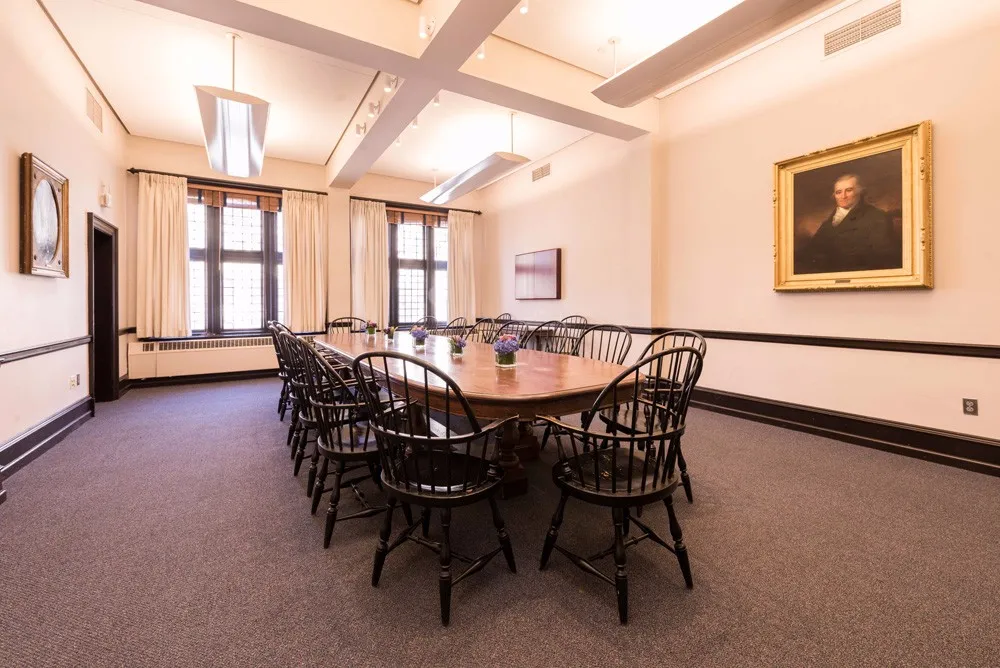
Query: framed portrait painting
(44, 219)
(856, 216)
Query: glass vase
(419, 345)
(506, 360)
(457, 351)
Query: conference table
(541, 384)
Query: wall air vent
(541, 172)
(878, 21)
(94, 111)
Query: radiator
(191, 357)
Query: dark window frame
(214, 255)
(429, 264)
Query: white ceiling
(148, 60)
(462, 131)
(577, 31)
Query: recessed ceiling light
(481, 53)
(399, 141)
(524, 7)
(416, 122)
(437, 100)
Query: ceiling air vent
(878, 21)
(541, 172)
(94, 111)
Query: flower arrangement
(457, 342)
(371, 327)
(506, 348)
(390, 333)
(419, 335)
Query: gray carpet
(169, 531)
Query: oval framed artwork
(44, 219)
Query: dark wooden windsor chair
(514, 328)
(578, 321)
(450, 465)
(456, 326)
(552, 336)
(606, 343)
(625, 470)
(427, 322)
(484, 331)
(503, 317)
(348, 322)
(678, 338)
(343, 438)
(284, 399)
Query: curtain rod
(418, 207)
(196, 180)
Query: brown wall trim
(203, 378)
(35, 351)
(126, 330)
(888, 345)
(944, 447)
(28, 445)
(985, 351)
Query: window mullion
(213, 268)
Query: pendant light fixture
(234, 125)
(482, 173)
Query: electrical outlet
(970, 406)
(72, 381)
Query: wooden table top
(540, 384)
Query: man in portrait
(856, 236)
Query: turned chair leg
(382, 547)
(317, 492)
(282, 398)
(444, 579)
(679, 549)
(331, 512)
(685, 478)
(425, 518)
(545, 436)
(299, 446)
(508, 551)
(553, 534)
(407, 514)
(621, 579)
(313, 466)
(292, 428)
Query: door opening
(104, 381)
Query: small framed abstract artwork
(44, 219)
(856, 216)
(538, 275)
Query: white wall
(596, 206)
(721, 137)
(43, 111)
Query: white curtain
(304, 260)
(162, 257)
(369, 261)
(461, 266)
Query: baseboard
(28, 445)
(202, 378)
(944, 447)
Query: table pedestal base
(517, 445)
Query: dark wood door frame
(97, 224)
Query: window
(418, 267)
(235, 246)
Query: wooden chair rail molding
(44, 349)
(987, 351)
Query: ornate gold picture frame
(44, 219)
(856, 216)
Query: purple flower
(418, 333)
(506, 345)
(371, 325)
(457, 340)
